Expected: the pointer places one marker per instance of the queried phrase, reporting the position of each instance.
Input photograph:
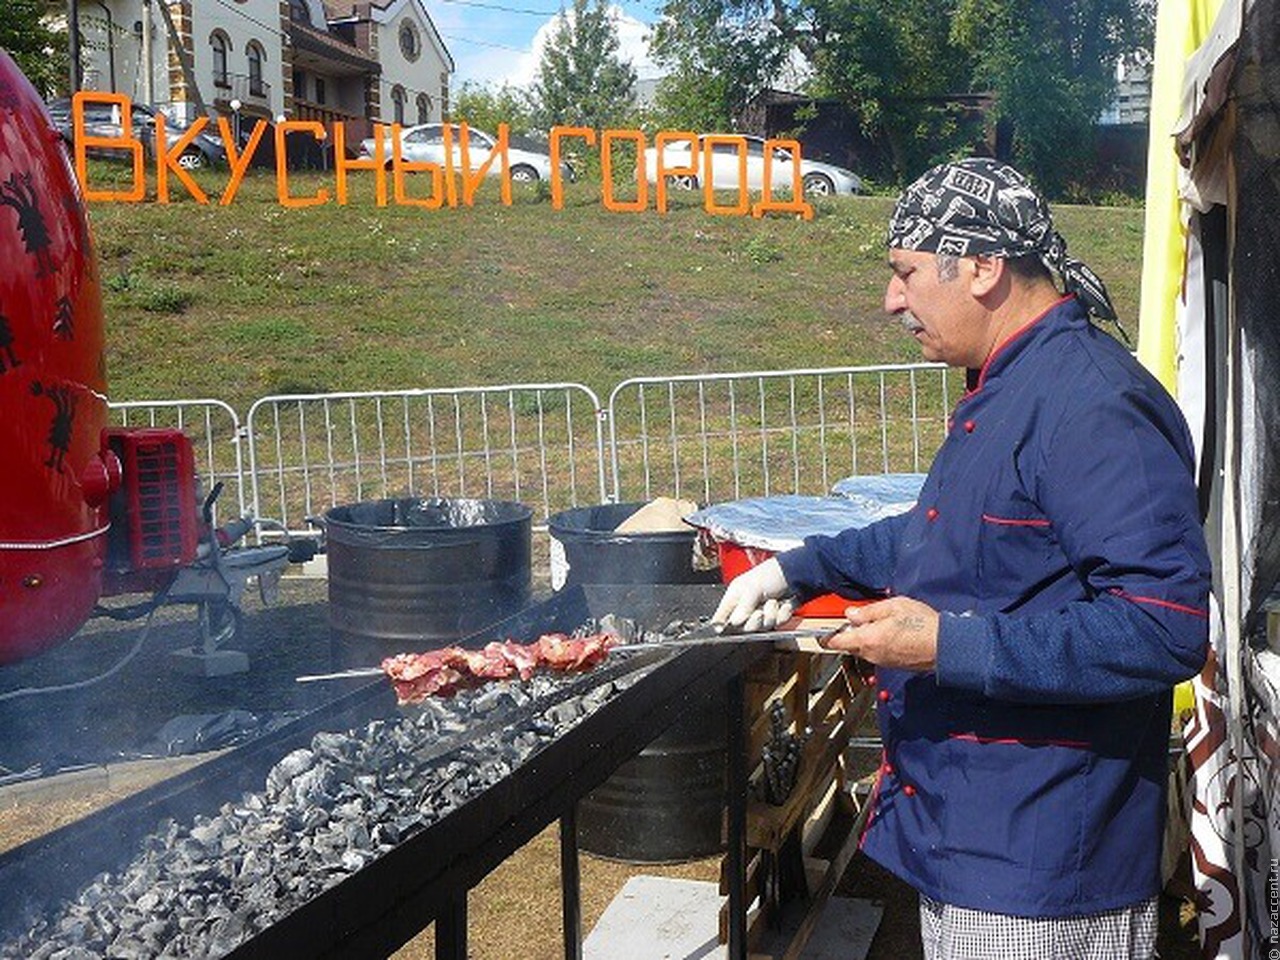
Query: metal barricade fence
(540, 443)
(709, 437)
(214, 430)
(721, 437)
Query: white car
(818, 179)
(425, 143)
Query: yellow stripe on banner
(1181, 26)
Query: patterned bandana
(980, 206)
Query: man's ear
(987, 274)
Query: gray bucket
(585, 549)
(413, 573)
(665, 804)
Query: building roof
(325, 44)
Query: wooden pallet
(832, 710)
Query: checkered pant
(956, 933)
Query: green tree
(1051, 66)
(581, 81)
(890, 61)
(485, 107)
(40, 52)
(1047, 67)
(688, 100)
(718, 54)
(894, 64)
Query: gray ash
(199, 889)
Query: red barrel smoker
(83, 508)
(58, 473)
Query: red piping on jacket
(1156, 602)
(1011, 522)
(982, 373)
(1022, 741)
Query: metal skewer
(342, 675)
(788, 639)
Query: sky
(500, 41)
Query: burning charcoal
(314, 818)
(311, 787)
(334, 746)
(519, 696)
(353, 860)
(565, 713)
(206, 833)
(77, 929)
(489, 700)
(127, 946)
(620, 627)
(357, 834)
(153, 931)
(543, 727)
(595, 697)
(294, 764)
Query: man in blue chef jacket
(1042, 598)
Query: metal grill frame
(374, 911)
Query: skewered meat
(443, 672)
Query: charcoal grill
(425, 878)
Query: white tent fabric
(1230, 341)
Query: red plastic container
(156, 525)
(736, 559)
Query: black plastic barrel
(665, 804)
(585, 549)
(413, 573)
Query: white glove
(756, 600)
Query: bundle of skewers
(780, 756)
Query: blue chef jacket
(1058, 535)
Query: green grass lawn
(251, 299)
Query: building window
(424, 108)
(299, 85)
(398, 101)
(256, 56)
(299, 12)
(410, 42)
(319, 90)
(218, 41)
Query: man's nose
(895, 296)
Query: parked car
(103, 120)
(818, 179)
(425, 143)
